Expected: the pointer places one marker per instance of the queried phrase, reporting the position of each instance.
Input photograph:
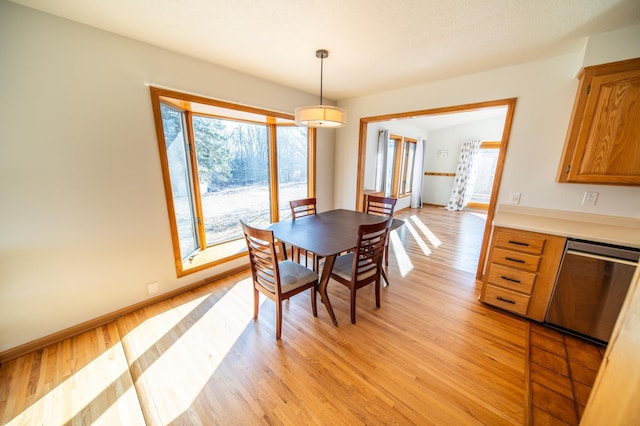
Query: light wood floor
(432, 354)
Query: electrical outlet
(589, 198)
(514, 198)
(153, 288)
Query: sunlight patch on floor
(87, 390)
(482, 216)
(404, 263)
(433, 239)
(421, 243)
(151, 330)
(175, 384)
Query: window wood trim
(490, 145)
(273, 174)
(190, 104)
(401, 152)
(397, 157)
(311, 161)
(407, 144)
(196, 184)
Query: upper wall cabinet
(603, 140)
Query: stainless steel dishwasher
(590, 287)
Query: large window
(293, 168)
(405, 181)
(401, 155)
(222, 163)
(487, 163)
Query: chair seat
(292, 276)
(344, 266)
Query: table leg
(322, 287)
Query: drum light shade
(321, 115)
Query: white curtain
(465, 175)
(381, 160)
(416, 186)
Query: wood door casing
(509, 103)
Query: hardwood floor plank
(76, 381)
(432, 354)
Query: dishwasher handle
(600, 257)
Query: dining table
(327, 234)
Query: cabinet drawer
(514, 279)
(523, 243)
(506, 299)
(514, 259)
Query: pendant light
(321, 115)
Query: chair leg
(384, 276)
(378, 293)
(353, 305)
(314, 306)
(278, 319)
(256, 302)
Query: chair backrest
(301, 208)
(380, 206)
(263, 257)
(369, 250)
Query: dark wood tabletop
(326, 234)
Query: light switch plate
(589, 198)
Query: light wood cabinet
(603, 140)
(522, 270)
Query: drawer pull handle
(513, 280)
(518, 243)
(514, 260)
(502, 299)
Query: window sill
(215, 255)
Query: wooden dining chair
(302, 208)
(276, 280)
(363, 266)
(382, 206)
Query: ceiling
(374, 45)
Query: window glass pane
(487, 162)
(391, 155)
(292, 166)
(233, 173)
(410, 162)
(179, 174)
(403, 168)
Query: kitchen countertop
(616, 230)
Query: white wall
(437, 189)
(545, 91)
(612, 46)
(83, 219)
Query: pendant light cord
(321, 53)
(321, 72)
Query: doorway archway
(508, 103)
